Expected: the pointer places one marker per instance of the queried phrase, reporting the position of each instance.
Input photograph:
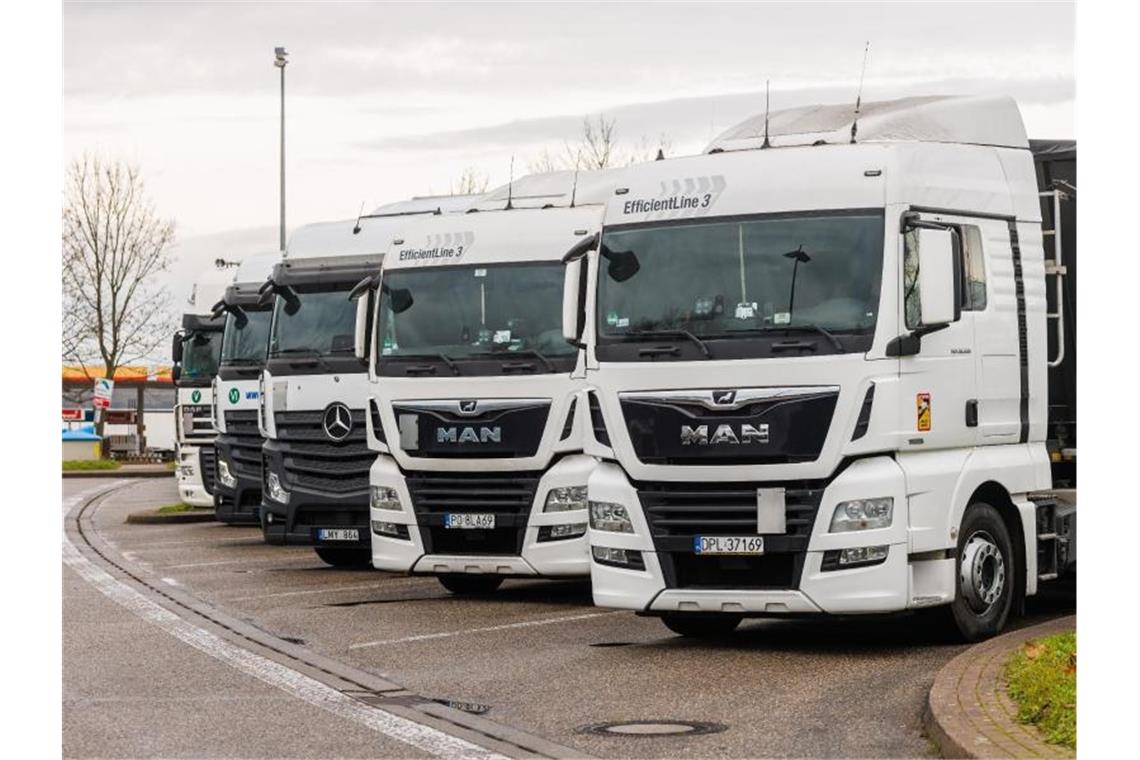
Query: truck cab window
(973, 273)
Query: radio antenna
(767, 109)
(574, 187)
(510, 185)
(859, 95)
(356, 227)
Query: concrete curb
(968, 712)
(126, 471)
(154, 517)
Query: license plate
(728, 544)
(338, 534)
(468, 521)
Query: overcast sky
(389, 100)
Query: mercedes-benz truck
(473, 409)
(195, 352)
(818, 366)
(237, 392)
(315, 458)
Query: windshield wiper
(671, 334)
(440, 356)
(521, 352)
(795, 328)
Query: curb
(122, 472)
(968, 712)
(152, 517)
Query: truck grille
(316, 462)
(245, 443)
(676, 512)
(207, 460)
(509, 496)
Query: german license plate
(468, 521)
(338, 534)
(728, 544)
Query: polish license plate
(338, 534)
(728, 544)
(468, 521)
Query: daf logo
(468, 434)
(724, 397)
(730, 434)
(337, 421)
(469, 406)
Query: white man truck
(481, 474)
(315, 458)
(818, 369)
(237, 392)
(195, 352)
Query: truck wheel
(470, 585)
(702, 625)
(986, 571)
(361, 558)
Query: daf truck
(480, 474)
(195, 352)
(237, 392)
(315, 459)
(819, 359)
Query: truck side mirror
(176, 349)
(939, 276)
(360, 332)
(571, 303)
(176, 372)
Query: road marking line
(332, 590)
(246, 561)
(508, 626)
(418, 735)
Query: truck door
(941, 378)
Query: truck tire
(985, 574)
(701, 625)
(361, 558)
(470, 585)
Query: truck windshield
(473, 311)
(725, 279)
(200, 353)
(247, 344)
(324, 324)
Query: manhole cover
(653, 728)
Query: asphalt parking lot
(535, 656)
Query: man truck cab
(817, 372)
(315, 458)
(195, 352)
(237, 392)
(472, 404)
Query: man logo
(469, 435)
(337, 421)
(469, 406)
(729, 434)
(724, 397)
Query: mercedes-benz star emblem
(337, 421)
(724, 397)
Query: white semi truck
(237, 392)
(315, 458)
(818, 366)
(195, 352)
(480, 474)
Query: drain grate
(474, 708)
(605, 644)
(653, 728)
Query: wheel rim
(982, 572)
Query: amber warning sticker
(922, 404)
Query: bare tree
(113, 246)
(598, 142)
(648, 150)
(544, 163)
(471, 181)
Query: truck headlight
(383, 497)
(565, 499)
(862, 514)
(274, 489)
(605, 515)
(224, 475)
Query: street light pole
(279, 62)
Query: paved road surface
(536, 653)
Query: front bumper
(240, 505)
(532, 554)
(786, 581)
(191, 489)
(298, 523)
